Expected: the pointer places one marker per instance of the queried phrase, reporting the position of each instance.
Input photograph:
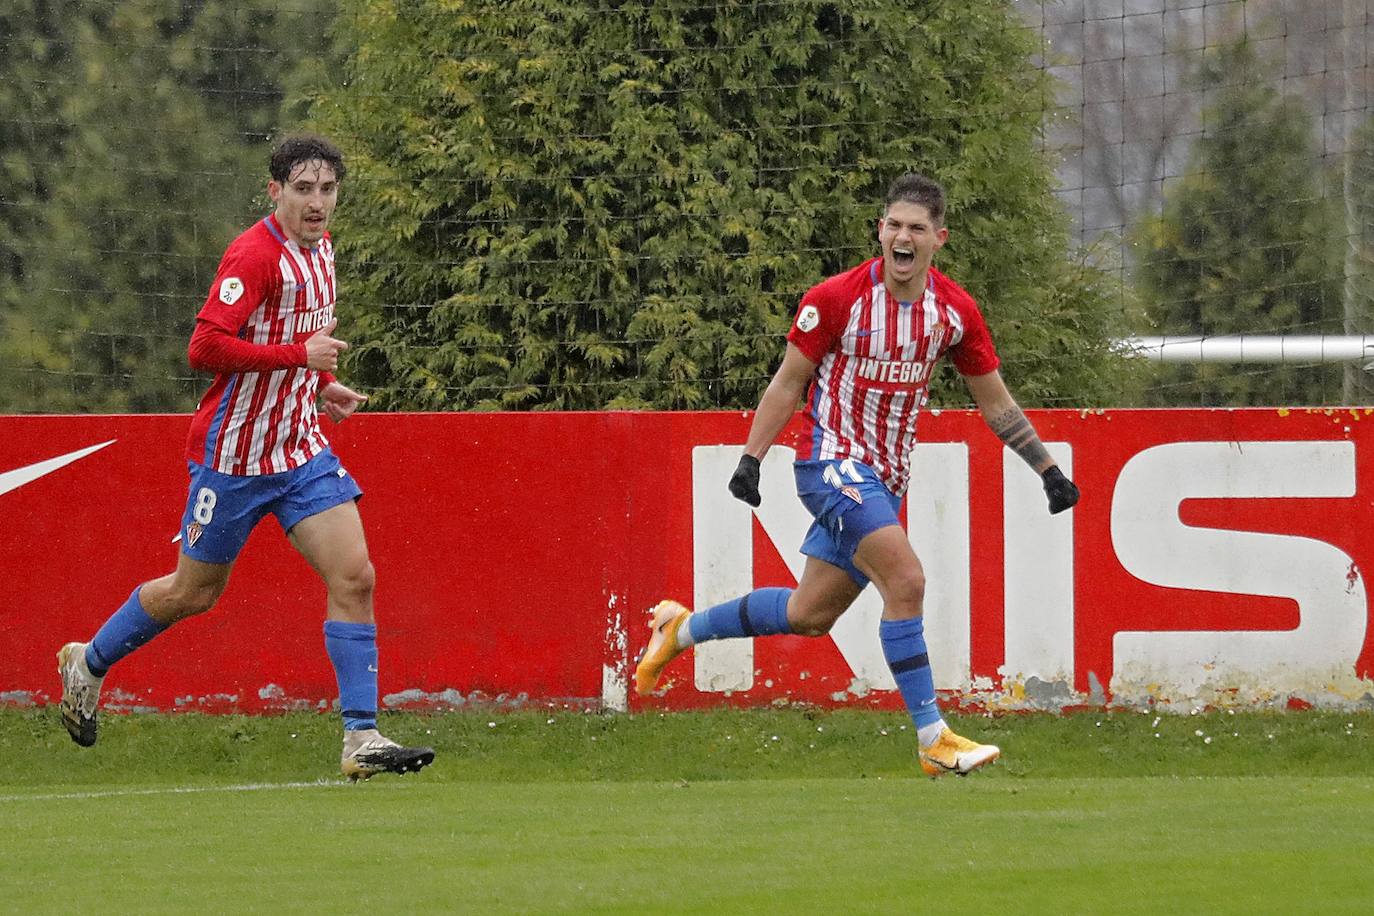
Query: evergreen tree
(1243, 244)
(143, 151)
(37, 43)
(557, 204)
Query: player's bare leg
(192, 588)
(811, 609)
(823, 593)
(333, 543)
(886, 557)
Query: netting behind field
(1219, 154)
(1213, 160)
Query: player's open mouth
(903, 257)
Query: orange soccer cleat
(669, 616)
(953, 754)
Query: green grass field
(765, 811)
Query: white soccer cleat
(80, 693)
(367, 752)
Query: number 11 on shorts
(832, 472)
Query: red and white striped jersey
(268, 297)
(874, 357)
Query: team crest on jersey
(230, 289)
(808, 318)
(854, 494)
(193, 531)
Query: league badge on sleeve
(230, 289)
(808, 318)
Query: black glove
(1060, 490)
(744, 483)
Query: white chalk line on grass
(174, 790)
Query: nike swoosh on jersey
(13, 480)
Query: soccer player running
(862, 349)
(255, 447)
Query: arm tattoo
(1012, 427)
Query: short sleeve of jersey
(821, 318)
(243, 281)
(974, 354)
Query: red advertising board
(1217, 557)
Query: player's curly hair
(915, 188)
(298, 148)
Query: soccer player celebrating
(862, 348)
(256, 447)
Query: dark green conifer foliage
(572, 205)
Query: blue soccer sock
(904, 647)
(352, 649)
(762, 612)
(126, 630)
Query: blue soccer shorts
(848, 502)
(223, 509)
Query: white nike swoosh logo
(13, 480)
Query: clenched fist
(1060, 490)
(744, 483)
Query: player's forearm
(1010, 425)
(776, 407)
(212, 349)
